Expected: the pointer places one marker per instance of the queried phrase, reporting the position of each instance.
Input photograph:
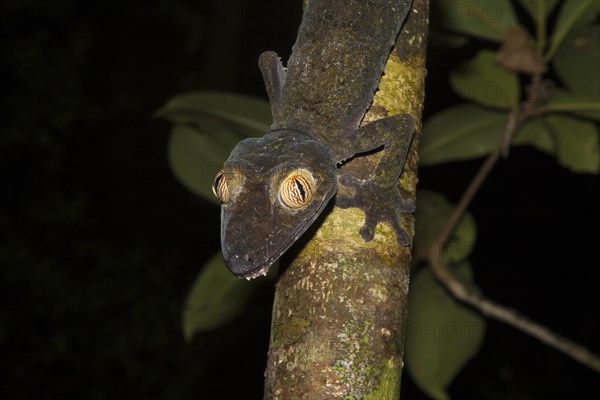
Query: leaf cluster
(559, 117)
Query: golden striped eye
(220, 188)
(297, 188)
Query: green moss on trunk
(340, 306)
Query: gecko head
(271, 190)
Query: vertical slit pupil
(301, 190)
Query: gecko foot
(380, 204)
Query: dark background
(99, 243)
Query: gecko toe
(368, 229)
(406, 206)
(401, 235)
(380, 204)
(367, 233)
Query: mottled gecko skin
(274, 187)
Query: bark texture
(340, 306)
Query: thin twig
(512, 317)
(485, 306)
(509, 131)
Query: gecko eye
(220, 188)
(297, 188)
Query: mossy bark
(340, 306)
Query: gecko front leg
(273, 74)
(379, 196)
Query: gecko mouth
(261, 272)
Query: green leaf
(577, 143)
(484, 81)
(469, 131)
(572, 141)
(563, 101)
(485, 19)
(215, 299)
(538, 10)
(208, 126)
(577, 62)
(442, 334)
(433, 211)
(572, 14)
(462, 132)
(247, 111)
(535, 132)
(195, 158)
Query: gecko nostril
(248, 258)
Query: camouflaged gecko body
(317, 106)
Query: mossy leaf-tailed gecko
(274, 187)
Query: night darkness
(99, 243)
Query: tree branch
(340, 306)
(487, 307)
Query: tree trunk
(340, 306)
